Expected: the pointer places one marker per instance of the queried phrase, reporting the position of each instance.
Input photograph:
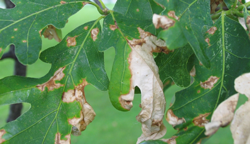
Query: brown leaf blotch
(172, 14)
(94, 33)
(24, 41)
(62, 2)
(173, 119)
(59, 141)
(208, 41)
(209, 84)
(2, 132)
(193, 72)
(71, 41)
(172, 140)
(51, 83)
(137, 10)
(113, 27)
(212, 30)
(162, 22)
(15, 29)
(201, 120)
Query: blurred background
(110, 126)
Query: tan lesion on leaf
(86, 27)
(15, 29)
(171, 140)
(94, 33)
(87, 114)
(58, 139)
(51, 83)
(162, 22)
(172, 14)
(113, 27)
(71, 41)
(173, 119)
(2, 132)
(24, 41)
(212, 30)
(201, 120)
(208, 41)
(209, 84)
(193, 72)
(137, 10)
(63, 2)
(1, 49)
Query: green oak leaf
(153, 142)
(59, 96)
(195, 104)
(119, 26)
(174, 65)
(21, 25)
(190, 17)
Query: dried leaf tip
(51, 83)
(223, 115)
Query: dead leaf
(240, 126)
(223, 115)
(145, 76)
(87, 112)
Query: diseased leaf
(212, 86)
(131, 34)
(51, 32)
(223, 115)
(21, 25)
(153, 142)
(174, 65)
(189, 18)
(58, 104)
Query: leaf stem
(240, 8)
(101, 8)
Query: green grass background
(110, 126)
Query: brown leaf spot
(172, 140)
(199, 91)
(12, 37)
(71, 41)
(51, 83)
(172, 14)
(208, 41)
(212, 30)
(2, 132)
(24, 41)
(185, 129)
(201, 120)
(1, 49)
(200, 63)
(137, 10)
(86, 27)
(166, 83)
(62, 2)
(209, 84)
(59, 141)
(162, 22)
(193, 72)
(173, 119)
(15, 29)
(94, 33)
